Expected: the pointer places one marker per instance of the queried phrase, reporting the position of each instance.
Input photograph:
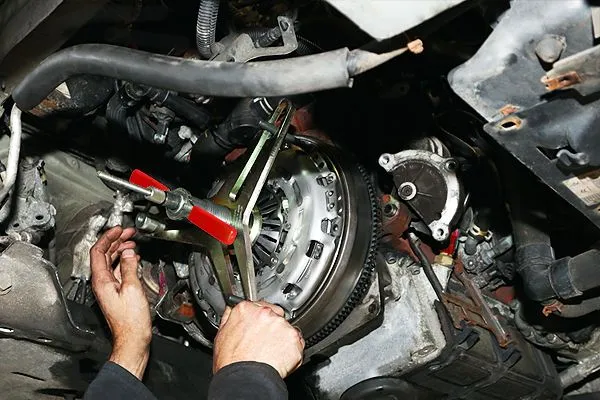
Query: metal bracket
(476, 313)
(580, 72)
(242, 48)
(247, 189)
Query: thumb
(225, 316)
(129, 266)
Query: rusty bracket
(474, 312)
(580, 72)
(563, 81)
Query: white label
(586, 187)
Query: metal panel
(506, 71)
(19, 17)
(50, 33)
(32, 304)
(383, 19)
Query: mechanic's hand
(121, 298)
(258, 332)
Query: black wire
(427, 268)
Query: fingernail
(128, 253)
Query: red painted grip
(201, 218)
(144, 180)
(212, 225)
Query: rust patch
(509, 109)
(505, 294)
(551, 308)
(48, 106)
(561, 81)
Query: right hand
(258, 332)
(121, 298)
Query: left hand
(121, 298)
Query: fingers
(122, 246)
(129, 266)
(127, 234)
(100, 269)
(276, 309)
(113, 251)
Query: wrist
(133, 358)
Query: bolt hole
(385, 160)
(440, 232)
(510, 123)
(5, 329)
(39, 217)
(566, 79)
(16, 225)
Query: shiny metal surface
(309, 252)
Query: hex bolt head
(550, 48)
(407, 191)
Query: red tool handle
(209, 223)
(144, 180)
(212, 225)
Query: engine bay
(420, 195)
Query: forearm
(247, 381)
(133, 359)
(116, 383)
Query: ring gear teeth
(364, 281)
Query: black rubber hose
(226, 79)
(579, 310)
(206, 26)
(545, 278)
(533, 251)
(238, 130)
(187, 110)
(584, 270)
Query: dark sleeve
(116, 383)
(247, 380)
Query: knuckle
(264, 312)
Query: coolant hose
(290, 76)
(206, 27)
(14, 149)
(544, 277)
